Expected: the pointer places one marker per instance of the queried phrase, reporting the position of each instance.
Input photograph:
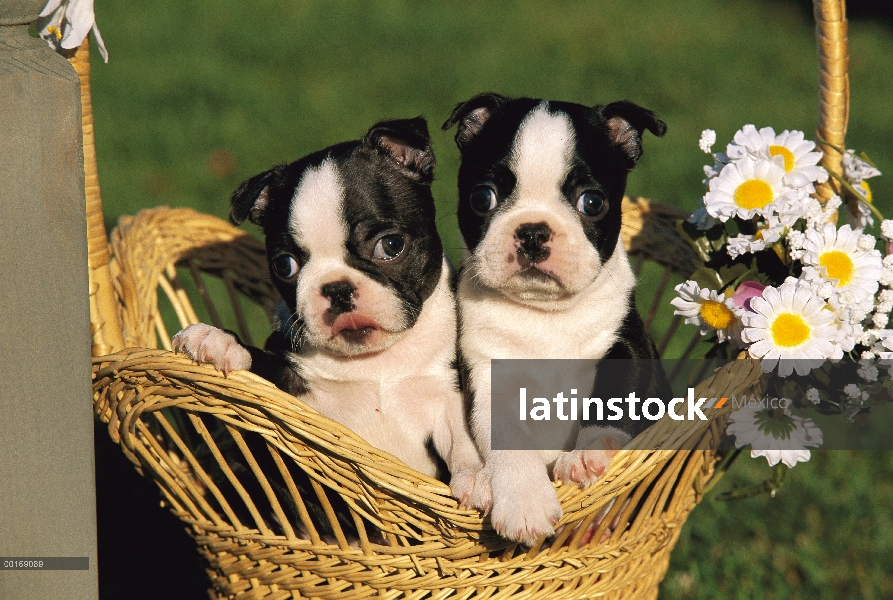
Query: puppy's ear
(625, 122)
(406, 142)
(252, 197)
(471, 116)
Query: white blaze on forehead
(541, 154)
(317, 219)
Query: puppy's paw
(472, 489)
(526, 513)
(206, 344)
(585, 467)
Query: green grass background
(200, 95)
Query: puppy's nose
(340, 294)
(532, 236)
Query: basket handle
(834, 87)
(105, 325)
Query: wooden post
(47, 497)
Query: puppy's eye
(285, 266)
(389, 247)
(592, 204)
(483, 199)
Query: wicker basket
(261, 478)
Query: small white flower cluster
(708, 138)
(840, 297)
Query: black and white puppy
(546, 276)
(366, 328)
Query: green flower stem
(767, 487)
(857, 195)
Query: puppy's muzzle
(531, 239)
(340, 295)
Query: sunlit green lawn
(200, 95)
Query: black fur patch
(386, 181)
(608, 142)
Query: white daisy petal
(833, 255)
(793, 334)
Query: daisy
(745, 188)
(709, 310)
(776, 434)
(860, 218)
(789, 328)
(743, 244)
(833, 255)
(748, 142)
(856, 171)
(798, 159)
(849, 331)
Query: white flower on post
(776, 434)
(65, 23)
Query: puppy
(546, 276)
(366, 329)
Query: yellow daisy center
(786, 154)
(864, 185)
(789, 330)
(839, 266)
(753, 193)
(716, 314)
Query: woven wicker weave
(260, 477)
